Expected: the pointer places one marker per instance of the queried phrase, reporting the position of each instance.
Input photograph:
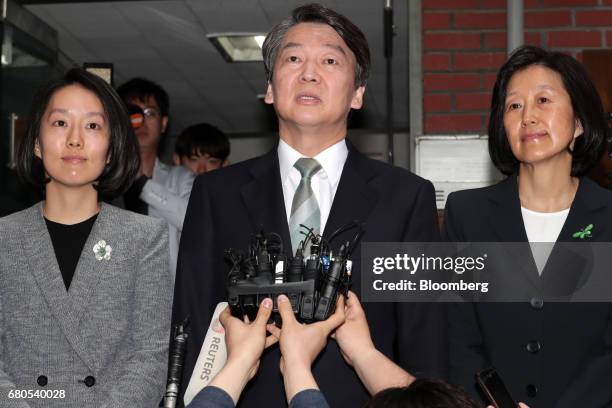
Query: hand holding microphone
(300, 345)
(359, 351)
(245, 341)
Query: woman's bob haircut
(124, 159)
(586, 104)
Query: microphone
(178, 348)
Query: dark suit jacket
(230, 205)
(549, 354)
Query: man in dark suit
(317, 64)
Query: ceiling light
(238, 47)
(260, 39)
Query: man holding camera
(317, 64)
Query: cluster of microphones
(312, 280)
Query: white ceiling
(166, 42)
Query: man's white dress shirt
(324, 183)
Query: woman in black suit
(546, 130)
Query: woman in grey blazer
(85, 290)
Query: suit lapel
(263, 198)
(585, 210)
(509, 227)
(354, 199)
(89, 270)
(566, 270)
(43, 265)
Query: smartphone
(494, 388)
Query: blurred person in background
(201, 148)
(160, 190)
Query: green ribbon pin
(584, 233)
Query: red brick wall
(464, 43)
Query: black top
(68, 242)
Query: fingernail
(267, 303)
(282, 299)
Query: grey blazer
(104, 342)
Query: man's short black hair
(141, 89)
(124, 159)
(315, 13)
(585, 100)
(202, 139)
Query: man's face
(313, 83)
(149, 134)
(199, 163)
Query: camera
(312, 279)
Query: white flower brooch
(102, 251)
